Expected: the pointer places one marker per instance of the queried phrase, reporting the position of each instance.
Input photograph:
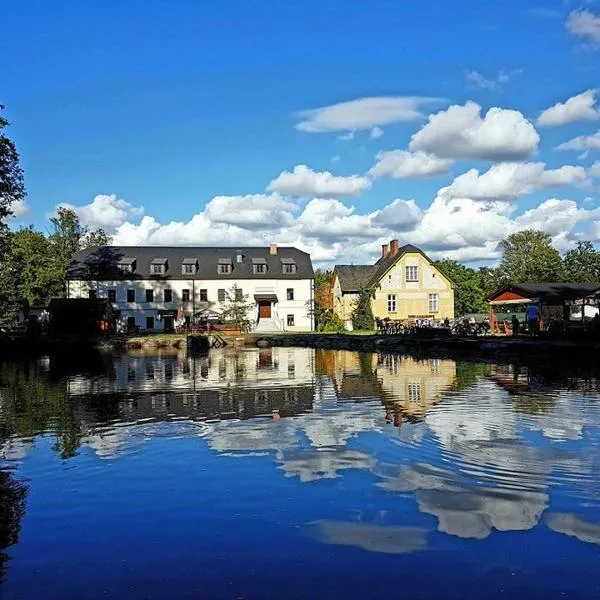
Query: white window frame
(433, 303)
(260, 269)
(188, 269)
(225, 269)
(412, 273)
(289, 269)
(392, 303)
(157, 269)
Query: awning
(265, 297)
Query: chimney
(384, 250)
(239, 257)
(393, 247)
(272, 249)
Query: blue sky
(167, 122)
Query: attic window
(259, 266)
(224, 266)
(288, 266)
(158, 266)
(126, 264)
(189, 266)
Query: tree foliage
(12, 188)
(528, 257)
(362, 314)
(582, 264)
(468, 292)
(237, 307)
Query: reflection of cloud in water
(575, 526)
(15, 448)
(390, 539)
(323, 464)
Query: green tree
(528, 256)
(488, 280)
(97, 237)
(236, 308)
(362, 314)
(582, 264)
(468, 293)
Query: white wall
(142, 309)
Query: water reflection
(386, 454)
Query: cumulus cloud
(19, 209)
(303, 181)
(555, 216)
(495, 83)
(460, 132)
(582, 142)
(595, 169)
(362, 113)
(401, 164)
(585, 25)
(509, 181)
(105, 211)
(376, 132)
(581, 107)
(400, 215)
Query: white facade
(292, 314)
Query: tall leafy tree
(468, 293)
(582, 264)
(236, 308)
(362, 315)
(528, 256)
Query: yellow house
(404, 282)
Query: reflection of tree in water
(467, 374)
(12, 509)
(32, 405)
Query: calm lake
(297, 473)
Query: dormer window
(259, 266)
(126, 264)
(288, 266)
(224, 266)
(189, 266)
(158, 266)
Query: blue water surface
(295, 473)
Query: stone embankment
(481, 348)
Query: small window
(239, 294)
(168, 295)
(433, 303)
(92, 294)
(391, 303)
(260, 269)
(290, 320)
(149, 295)
(412, 273)
(112, 296)
(125, 267)
(203, 295)
(185, 295)
(149, 322)
(130, 323)
(188, 269)
(221, 295)
(290, 293)
(157, 269)
(414, 392)
(225, 269)
(289, 269)
(130, 295)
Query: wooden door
(264, 310)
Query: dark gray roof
(353, 278)
(549, 290)
(100, 262)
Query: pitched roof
(383, 264)
(353, 278)
(548, 290)
(101, 262)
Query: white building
(154, 287)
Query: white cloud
(401, 164)
(252, 211)
(19, 209)
(376, 132)
(577, 108)
(303, 181)
(362, 113)
(555, 216)
(459, 132)
(347, 137)
(582, 142)
(399, 215)
(105, 211)
(493, 84)
(509, 181)
(595, 169)
(585, 25)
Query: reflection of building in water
(407, 386)
(221, 384)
